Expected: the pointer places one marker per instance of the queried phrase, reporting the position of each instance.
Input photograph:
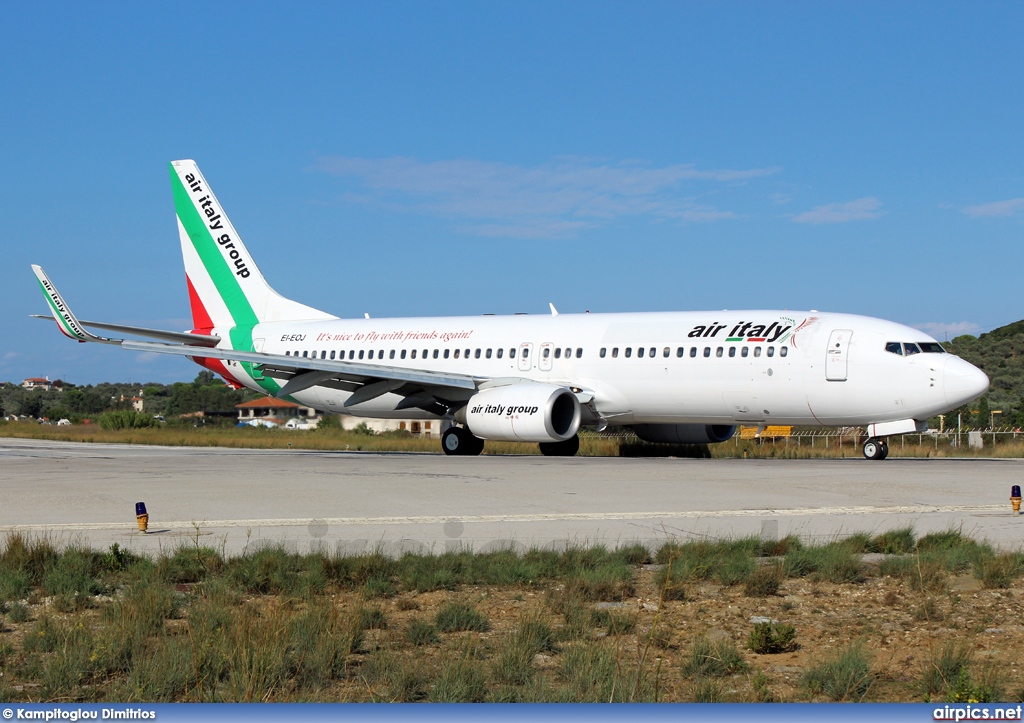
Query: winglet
(554, 311)
(66, 321)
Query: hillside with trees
(1000, 354)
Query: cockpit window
(909, 349)
(931, 347)
(894, 347)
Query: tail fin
(225, 286)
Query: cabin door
(837, 354)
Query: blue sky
(450, 158)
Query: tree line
(206, 393)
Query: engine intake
(524, 413)
(684, 433)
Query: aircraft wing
(421, 388)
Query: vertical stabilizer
(225, 286)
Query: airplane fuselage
(726, 367)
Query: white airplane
(682, 377)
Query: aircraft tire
(874, 449)
(459, 441)
(885, 449)
(567, 448)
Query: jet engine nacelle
(524, 413)
(684, 433)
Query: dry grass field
(883, 618)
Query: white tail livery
(680, 377)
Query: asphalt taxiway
(351, 502)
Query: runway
(347, 502)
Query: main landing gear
(876, 448)
(459, 440)
(567, 448)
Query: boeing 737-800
(683, 377)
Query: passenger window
(732, 351)
(911, 349)
(403, 353)
(488, 354)
(545, 354)
(784, 351)
(653, 352)
(511, 353)
(425, 353)
(665, 352)
(435, 353)
(615, 352)
(412, 355)
(304, 353)
(771, 351)
(744, 351)
(332, 354)
(476, 354)
(526, 352)
(894, 347)
(693, 352)
(680, 351)
(360, 353)
(707, 351)
(447, 353)
(718, 352)
(466, 355)
(579, 353)
(629, 352)
(312, 354)
(500, 352)
(323, 354)
(602, 352)
(391, 354)
(558, 353)
(457, 351)
(639, 353)
(568, 353)
(757, 351)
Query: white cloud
(942, 330)
(996, 209)
(552, 200)
(11, 355)
(860, 210)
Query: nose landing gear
(876, 448)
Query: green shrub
(772, 638)
(14, 584)
(461, 681)
(1000, 571)
(713, 658)
(894, 542)
(846, 676)
(943, 671)
(18, 612)
(453, 617)
(126, 419)
(71, 579)
(419, 632)
(373, 618)
(764, 581)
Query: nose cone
(963, 381)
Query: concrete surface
(351, 502)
